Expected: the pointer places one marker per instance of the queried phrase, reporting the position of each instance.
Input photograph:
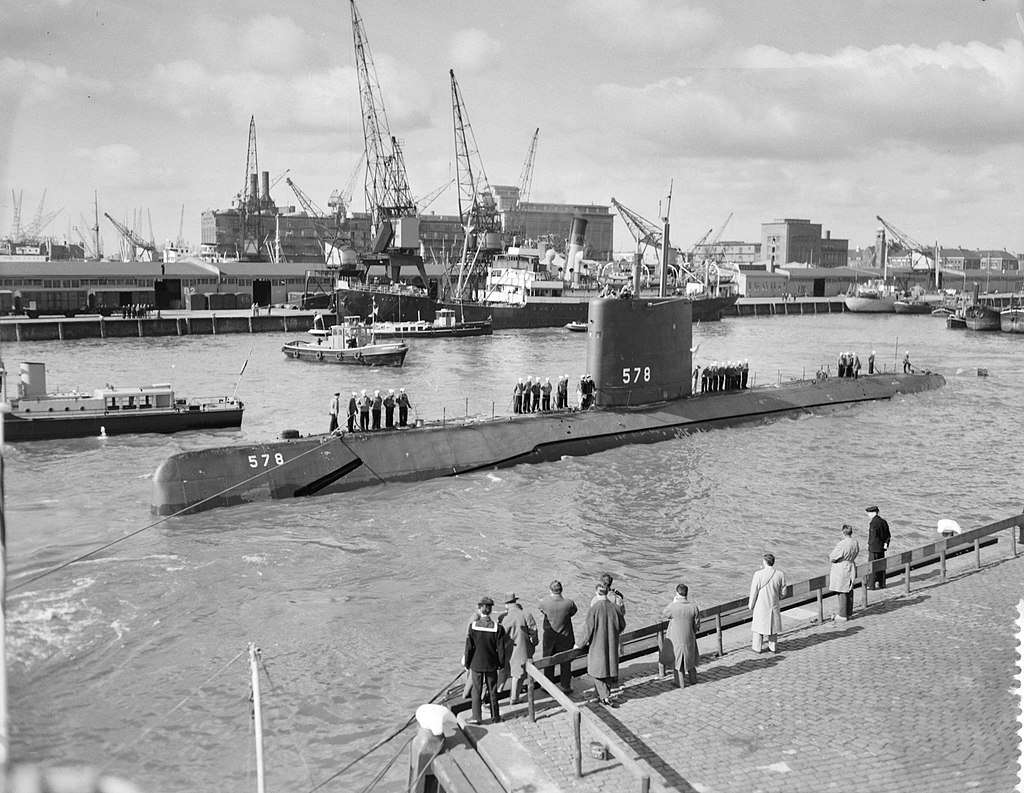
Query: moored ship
(871, 299)
(979, 317)
(37, 415)
(1011, 320)
(444, 325)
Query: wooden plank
(475, 770)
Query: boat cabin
(515, 277)
(349, 335)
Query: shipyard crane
(388, 197)
(526, 176)
(712, 254)
(315, 213)
(341, 200)
(16, 199)
(425, 201)
(926, 257)
(646, 234)
(132, 240)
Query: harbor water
(128, 660)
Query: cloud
(651, 24)
(782, 105)
(121, 165)
(35, 82)
(473, 49)
(275, 43)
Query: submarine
(639, 353)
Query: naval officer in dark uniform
(486, 653)
(878, 544)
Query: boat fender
(288, 435)
(319, 355)
(359, 356)
(338, 356)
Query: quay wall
(117, 328)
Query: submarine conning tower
(638, 351)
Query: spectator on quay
(680, 647)
(766, 587)
(843, 572)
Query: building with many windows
(798, 241)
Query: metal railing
(650, 638)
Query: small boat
(576, 327)
(956, 321)
(979, 317)
(443, 326)
(348, 343)
(870, 299)
(1011, 320)
(941, 311)
(913, 307)
(36, 415)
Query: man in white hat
(402, 400)
(485, 654)
(353, 412)
(389, 409)
(871, 363)
(364, 411)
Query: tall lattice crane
(526, 176)
(250, 227)
(388, 197)
(341, 200)
(646, 234)
(925, 256)
(16, 199)
(477, 207)
(133, 243)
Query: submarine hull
(209, 478)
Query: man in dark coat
(557, 631)
(605, 623)
(562, 401)
(375, 407)
(486, 648)
(364, 411)
(878, 544)
(402, 400)
(353, 410)
(389, 409)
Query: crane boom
(129, 235)
(387, 184)
(903, 238)
(526, 176)
(644, 231)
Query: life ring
(319, 355)
(338, 356)
(295, 353)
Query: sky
(832, 110)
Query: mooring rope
(386, 739)
(165, 518)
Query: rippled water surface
(358, 600)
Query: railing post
(645, 784)
(718, 633)
(977, 554)
(661, 650)
(577, 739)
(864, 586)
(531, 707)
(942, 562)
(1013, 541)
(906, 577)
(821, 606)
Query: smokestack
(265, 188)
(577, 236)
(254, 188)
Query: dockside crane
(133, 242)
(927, 259)
(425, 201)
(388, 197)
(16, 199)
(646, 234)
(526, 175)
(341, 200)
(250, 227)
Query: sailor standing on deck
(744, 373)
(545, 395)
(562, 401)
(402, 400)
(528, 395)
(856, 365)
(871, 363)
(353, 410)
(334, 409)
(517, 397)
(389, 409)
(364, 411)
(375, 409)
(536, 394)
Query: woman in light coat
(843, 572)
(766, 588)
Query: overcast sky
(834, 110)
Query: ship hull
(870, 305)
(378, 355)
(1011, 320)
(905, 307)
(18, 428)
(981, 318)
(543, 313)
(457, 331)
(209, 478)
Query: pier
(916, 692)
(169, 323)
(780, 306)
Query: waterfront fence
(650, 638)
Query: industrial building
(797, 240)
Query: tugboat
(351, 342)
(36, 415)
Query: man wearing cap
(375, 407)
(485, 655)
(521, 629)
(605, 623)
(878, 544)
(364, 411)
(353, 410)
(402, 400)
(558, 634)
(389, 409)
(335, 409)
(562, 401)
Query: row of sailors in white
(530, 395)
(722, 376)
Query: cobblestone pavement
(916, 693)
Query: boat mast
(257, 714)
(663, 277)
